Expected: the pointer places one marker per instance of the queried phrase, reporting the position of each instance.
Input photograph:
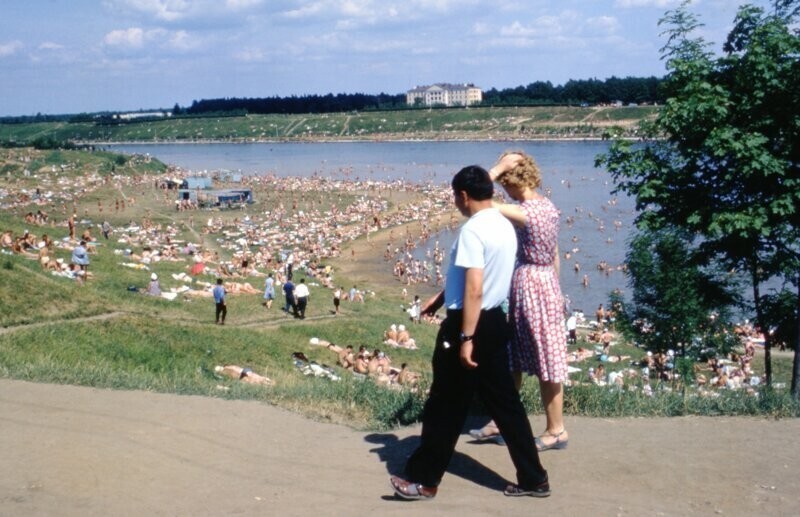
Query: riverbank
(472, 124)
(370, 139)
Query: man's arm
(513, 213)
(473, 297)
(433, 304)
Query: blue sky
(69, 56)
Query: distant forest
(638, 90)
(628, 90)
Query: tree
(722, 160)
(676, 303)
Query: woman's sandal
(558, 444)
(482, 435)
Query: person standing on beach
(536, 306)
(106, 229)
(80, 257)
(470, 354)
(219, 299)
(269, 291)
(337, 299)
(288, 292)
(71, 226)
(301, 295)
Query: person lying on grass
(246, 375)
(376, 365)
(346, 358)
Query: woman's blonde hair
(525, 174)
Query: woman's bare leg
(553, 400)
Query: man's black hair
(475, 181)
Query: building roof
(442, 86)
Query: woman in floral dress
(536, 305)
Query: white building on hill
(444, 94)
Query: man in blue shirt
(219, 298)
(288, 291)
(471, 355)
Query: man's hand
(466, 355)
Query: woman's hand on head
(505, 164)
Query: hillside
(449, 124)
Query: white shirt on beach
(301, 290)
(486, 241)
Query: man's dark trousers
(451, 394)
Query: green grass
(509, 122)
(101, 334)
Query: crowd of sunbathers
(375, 365)
(281, 238)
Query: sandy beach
(82, 451)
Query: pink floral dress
(536, 306)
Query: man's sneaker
(411, 491)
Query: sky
(73, 56)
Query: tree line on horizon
(628, 90)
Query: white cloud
(166, 10)
(516, 29)
(136, 38)
(542, 26)
(128, 38)
(10, 48)
(481, 28)
(441, 6)
(49, 45)
(349, 14)
(305, 11)
(238, 5)
(181, 40)
(624, 4)
(249, 55)
(603, 24)
(358, 8)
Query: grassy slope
(100, 334)
(478, 123)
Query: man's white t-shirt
(300, 290)
(572, 322)
(486, 241)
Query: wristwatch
(463, 337)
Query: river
(602, 222)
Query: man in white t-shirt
(301, 295)
(572, 328)
(471, 354)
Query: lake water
(601, 225)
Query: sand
(81, 451)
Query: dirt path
(81, 451)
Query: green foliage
(780, 310)
(675, 302)
(722, 159)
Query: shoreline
(347, 141)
